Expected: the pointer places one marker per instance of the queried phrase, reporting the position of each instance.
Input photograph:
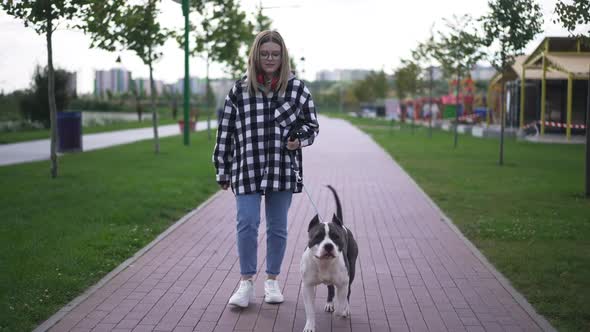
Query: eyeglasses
(273, 55)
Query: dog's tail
(338, 206)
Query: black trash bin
(69, 131)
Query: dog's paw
(309, 327)
(329, 307)
(344, 311)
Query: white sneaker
(243, 295)
(272, 292)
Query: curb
(55, 318)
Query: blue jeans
(277, 205)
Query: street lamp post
(185, 12)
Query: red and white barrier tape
(562, 125)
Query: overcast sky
(330, 34)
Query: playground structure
(547, 89)
(471, 106)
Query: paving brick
(414, 273)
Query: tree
(573, 15)
(35, 106)
(292, 63)
(349, 97)
(407, 82)
(378, 82)
(407, 79)
(570, 16)
(221, 37)
(458, 50)
(263, 22)
(44, 16)
(424, 55)
(373, 87)
(137, 97)
(509, 26)
(117, 25)
(362, 91)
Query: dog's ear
(337, 220)
(313, 222)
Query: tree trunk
(138, 107)
(430, 105)
(187, 90)
(502, 116)
(341, 92)
(413, 116)
(153, 107)
(457, 108)
(51, 94)
(207, 106)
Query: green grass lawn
(60, 236)
(529, 217)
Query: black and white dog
(330, 259)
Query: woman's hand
(224, 185)
(293, 145)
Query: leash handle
(295, 167)
(299, 179)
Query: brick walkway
(414, 272)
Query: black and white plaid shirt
(251, 149)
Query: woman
(258, 154)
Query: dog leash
(299, 179)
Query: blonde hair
(254, 61)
